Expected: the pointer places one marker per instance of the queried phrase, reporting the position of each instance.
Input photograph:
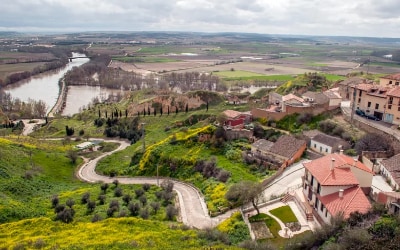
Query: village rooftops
(334, 170)
(316, 97)
(352, 81)
(353, 199)
(393, 166)
(395, 77)
(290, 97)
(394, 92)
(232, 113)
(287, 146)
(263, 145)
(330, 140)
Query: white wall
(316, 146)
(364, 178)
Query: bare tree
(244, 192)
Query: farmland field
(7, 69)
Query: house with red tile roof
(236, 119)
(390, 80)
(336, 184)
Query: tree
(116, 182)
(155, 205)
(168, 111)
(104, 187)
(91, 205)
(144, 213)
(118, 192)
(99, 113)
(127, 198)
(373, 142)
(146, 187)
(176, 109)
(72, 155)
(167, 186)
(70, 202)
(134, 208)
(244, 192)
(85, 198)
(161, 111)
(187, 108)
(170, 212)
(102, 199)
(55, 201)
(222, 118)
(143, 200)
(139, 192)
(207, 106)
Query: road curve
(193, 209)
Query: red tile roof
(232, 113)
(364, 86)
(353, 200)
(393, 77)
(394, 92)
(287, 146)
(341, 174)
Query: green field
(236, 74)
(278, 78)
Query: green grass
(333, 78)
(285, 214)
(116, 233)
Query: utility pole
(143, 135)
(353, 105)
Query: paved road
(193, 209)
(289, 179)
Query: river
(45, 87)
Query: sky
(369, 18)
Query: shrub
(91, 205)
(144, 213)
(102, 199)
(118, 192)
(134, 208)
(146, 187)
(139, 192)
(114, 204)
(143, 200)
(214, 235)
(70, 202)
(85, 198)
(155, 206)
(54, 201)
(96, 218)
(171, 212)
(127, 198)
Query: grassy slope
(30, 198)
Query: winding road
(193, 209)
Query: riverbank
(61, 100)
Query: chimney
(332, 164)
(355, 162)
(341, 193)
(341, 152)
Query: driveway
(193, 209)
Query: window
(315, 145)
(390, 82)
(322, 207)
(318, 188)
(397, 84)
(312, 181)
(326, 150)
(376, 105)
(359, 100)
(320, 149)
(359, 93)
(389, 106)
(316, 203)
(398, 108)
(369, 104)
(326, 213)
(391, 100)
(305, 186)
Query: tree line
(14, 108)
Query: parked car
(360, 112)
(372, 117)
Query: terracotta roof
(331, 140)
(291, 96)
(287, 146)
(352, 81)
(394, 92)
(263, 144)
(318, 97)
(353, 200)
(364, 86)
(341, 174)
(332, 93)
(232, 113)
(393, 166)
(393, 77)
(311, 133)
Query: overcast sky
(373, 18)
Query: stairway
(310, 217)
(287, 197)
